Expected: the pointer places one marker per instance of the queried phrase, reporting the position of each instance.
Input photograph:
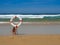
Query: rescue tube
(16, 25)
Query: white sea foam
(27, 16)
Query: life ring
(16, 25)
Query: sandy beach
(30, 40)
(35, 34)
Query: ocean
(28, 15)
(31, 17)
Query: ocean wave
(27, 16)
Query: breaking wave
(27, 16)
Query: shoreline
(32, 22)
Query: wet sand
(30, 40)
(30, 29)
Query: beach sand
(30, 40)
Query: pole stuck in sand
(15, 26)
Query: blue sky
(29, 6)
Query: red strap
(15, 16)
(16, 26)
(21, 20)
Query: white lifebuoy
(14, 25)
